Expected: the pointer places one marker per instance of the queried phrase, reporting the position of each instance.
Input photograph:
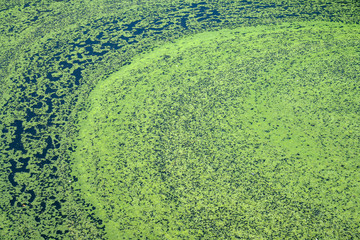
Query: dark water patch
(43, 207)
(49, 145)
(89, 42)
(38, 105)
(16, 169)
(34, 19)
(50, 90)
(31, 131)
(196, 5)
(16, 144)
(65, 65)
(100, 35)
(78, 75)
(129, 27)
(183, 21)
(57, 205)
(49, 104)
(51, 119)
(139, 31)
(112, 46)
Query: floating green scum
(246, 133)
(179, 119)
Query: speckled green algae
(250, 133)
(38, 38)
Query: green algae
(47, 71)
(241, 133)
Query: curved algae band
(250, 132)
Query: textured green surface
(54, 53)
(249, 133)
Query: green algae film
(246, 133)
(52, 54)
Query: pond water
(179, 120)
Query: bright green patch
(251, 133)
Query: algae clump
(249, 132)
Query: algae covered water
(180, 120)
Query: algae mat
(53, 53)
(247, 133)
